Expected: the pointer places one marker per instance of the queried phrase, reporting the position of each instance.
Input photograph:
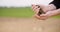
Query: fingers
(35, 8)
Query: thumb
(43, 15)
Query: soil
(29, 25)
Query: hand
(46, 15)
(41, 17)
(36, 10)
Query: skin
(49, 10)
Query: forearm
(55, 12)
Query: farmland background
(17, 16)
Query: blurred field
(21, 12)
(21, 20)
(16, 12)
(29, 25)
